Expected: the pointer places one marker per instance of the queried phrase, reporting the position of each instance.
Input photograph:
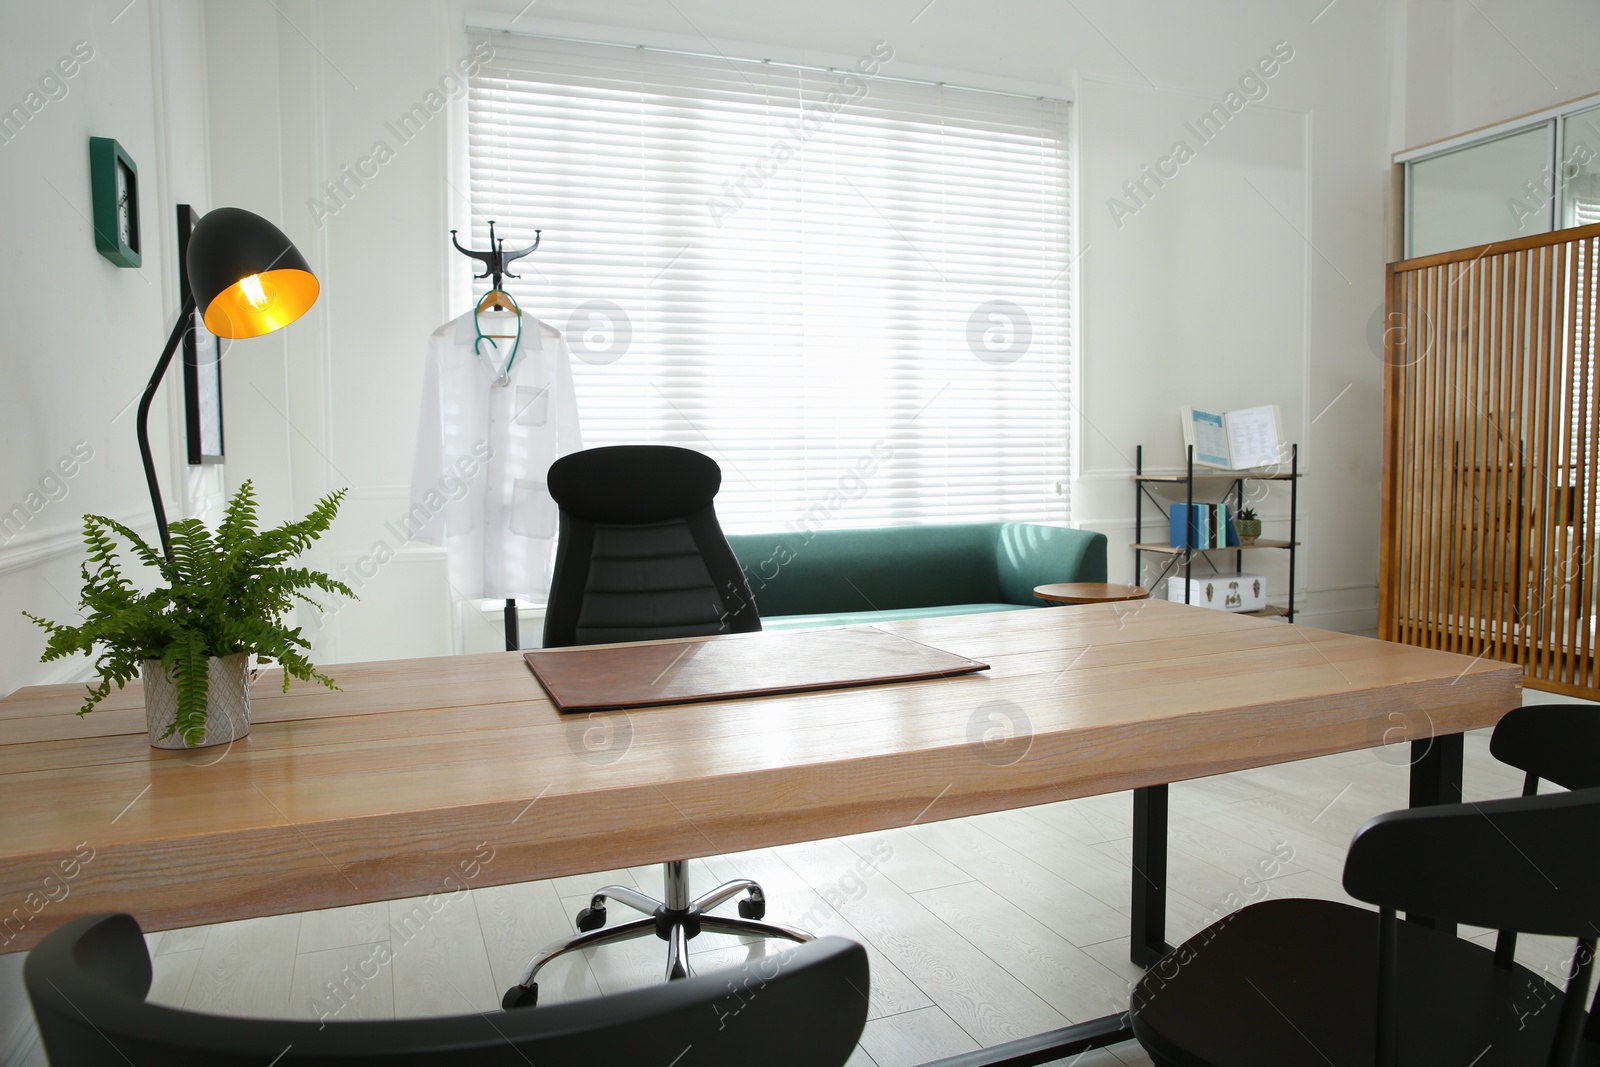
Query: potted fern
(223, 597)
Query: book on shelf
(1235, 440)
(1197, 526)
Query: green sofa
(847, 577)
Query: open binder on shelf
(1235, 440)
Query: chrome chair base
(674, 920)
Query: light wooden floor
(980, 929)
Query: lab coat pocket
(533, 405)
(533, 512)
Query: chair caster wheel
(520, 997)
(752, 909)
(591, 919)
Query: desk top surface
(375, 791)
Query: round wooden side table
(1089, 593)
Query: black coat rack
(495, 261)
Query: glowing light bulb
(255, 294)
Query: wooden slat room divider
(1490, 465)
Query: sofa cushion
(832, 571)
(896, 568)
(867, 618)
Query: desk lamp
(247, 279)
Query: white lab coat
(478, 483)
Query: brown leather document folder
(601, 677)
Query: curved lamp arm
(185, 321)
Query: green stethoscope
(505, 375)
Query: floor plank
(246, 967)
(516, 922)
(914, 1037)
(358, 924)
(1066, 978)
(989, 1004)
(439, 962)
(347, 982)
(1050, 897)
(171, 974)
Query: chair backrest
(641, 555)
(805, 1006)
(1558, 743)
(1525, 864)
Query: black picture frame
(202, 365)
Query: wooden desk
(380, 791)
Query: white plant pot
(227, 702)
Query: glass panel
(1580, 168)
(1485, 192)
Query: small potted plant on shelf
(1248, 525)
(222, 597)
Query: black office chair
(1558, 743)
(1314, 982)
(641, 556)
(801, 1008)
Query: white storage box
(1227, 592)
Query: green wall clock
(114, 182)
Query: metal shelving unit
(1185, 557)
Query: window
(1525, 176)
(1580, 168)
(850, 290)
(1493, 190)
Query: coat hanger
(498, 300)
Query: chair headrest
(634, 483)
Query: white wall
(78, 336)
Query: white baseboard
(1348, 621)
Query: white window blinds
(850, 291)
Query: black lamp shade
(247, 277)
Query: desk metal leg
(1147, 941)
(1436, 770)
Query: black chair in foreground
(1558, 743)
(804, 1007)
(641, 557)
(1317, 982)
